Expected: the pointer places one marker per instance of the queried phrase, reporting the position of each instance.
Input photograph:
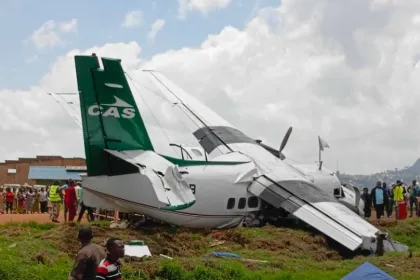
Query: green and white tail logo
(118, 109)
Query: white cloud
(70, 26)
(156, 27)
(202, 6)
(309, 65)
(133, 18)
(48, 35)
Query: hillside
(407, 174)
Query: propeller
(285, 139)
(277, 153)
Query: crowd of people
(23, 200)
(49, 199)
(387, 199)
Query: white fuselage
(218, 197)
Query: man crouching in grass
(88, 258)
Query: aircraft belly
(187, 219)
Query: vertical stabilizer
(110, 117)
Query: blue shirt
(379, 196)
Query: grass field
(46, 251)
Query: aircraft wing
(308, 203)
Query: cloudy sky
(345, 70)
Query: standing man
(388, 195)
(398, 196)
(110, 267)
(88, 258)
(379, 199)
(391, 201)
(70, 201)
(78, 189)
(43, 200)
(412, 196)
(55, 199)
(368, 202)
(84, 207)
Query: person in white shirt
(78, 196)
(43, 200)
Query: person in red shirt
(110, 267)
(70, 201)
(10, 197)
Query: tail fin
(110, 117)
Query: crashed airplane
(237, 181)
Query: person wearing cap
(88, 258)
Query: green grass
(291, 254)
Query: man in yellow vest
(55, 199)
(398, 192)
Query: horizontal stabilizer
(165, 180)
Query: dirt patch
(13, 231)
(292, 243)
(187, 243)
(385, 223)
(171, 242)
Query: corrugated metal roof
(52, 173)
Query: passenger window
(197, 152)
(253, 202)
(242, 203)
(231, 203)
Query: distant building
(40, 170)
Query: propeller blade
(285, 139)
